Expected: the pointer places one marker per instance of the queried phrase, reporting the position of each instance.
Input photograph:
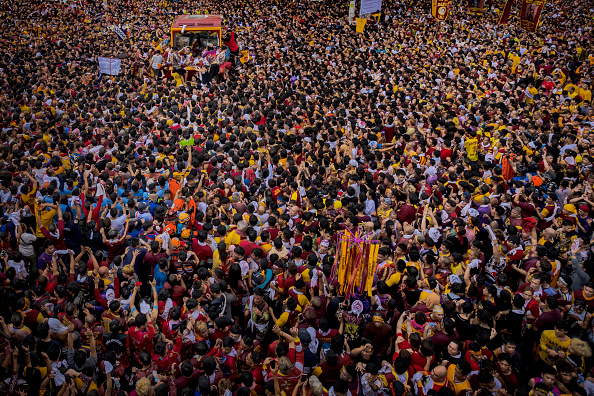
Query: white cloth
(19, 267)
(144, 308)
(59, 378)
(166, 309)
(56, 326)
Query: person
(457, 375)
(379, 333)
(156, 63)
(554, 343)
(257, 311)
(433, 381)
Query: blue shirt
(147, 216)
(160, 278)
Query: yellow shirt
(585, 94)
(394, 279)
(283, 319)
(232, 238)
(478, 198)
(458, 386)
(550, 341)
(178, 79)
(471, 147)
(561, 76)
(414, 264)
(29, 199)
(571, 86)
(532, 91)
(46, 219)
(383, 212)
(455, 268)
(302, 301)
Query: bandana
(570, 208)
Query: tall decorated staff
(356, 262)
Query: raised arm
(155, 310)
(32, 180)
(133, 299)
(92, 344)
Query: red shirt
(203, 251)
(445, 153)
(579, 295)
(141, 340)
(407, 214)
(248, 247)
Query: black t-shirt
(465, 329)
(43, 346)
(412, 296)
(115, 342)
(513, 324)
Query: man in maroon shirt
(271, 228)
(250, 244)
(152, 258)
(407, 213)
(446, 151)
(177, 288)
(200, 247)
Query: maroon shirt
(407, 214)
(176, 293)
(153, 259)
(203, 251)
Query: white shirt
(156, 60)
(118, 223)
(19, 267)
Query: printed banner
(370, 6)
(120, 32)
(440, 9)
(109, 66)
(506, 12)
(352, 6)
(531, 10)
(475, 7)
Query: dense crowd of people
(173, 229)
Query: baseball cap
(304, 336)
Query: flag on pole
(360, 24)
(506, 12)
(475, 7)
(440, 9)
